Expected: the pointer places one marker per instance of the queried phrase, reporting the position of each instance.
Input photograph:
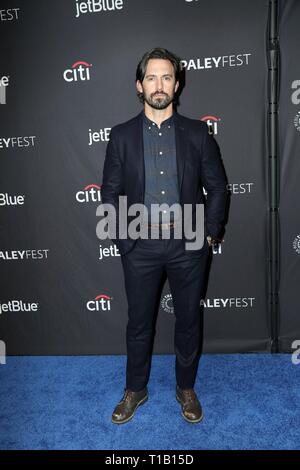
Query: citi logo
(18, 306)
(7, 200)
(91, 193)
(212, 123)
(4, 82)
(80, 70)
(101, 303)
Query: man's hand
(213, 241)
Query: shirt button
(164, 212)
(161, 172)
(159, 133)
(153, 123)
(169, 127)
(149, 127)
(160, 153)
(163, 192)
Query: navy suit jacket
(199, 165)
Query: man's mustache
(157, 93)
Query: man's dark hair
(157, 53)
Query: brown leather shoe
(190, 405)
(125, 409)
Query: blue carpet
(250, 401)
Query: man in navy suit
(162, 159)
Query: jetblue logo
(4, 82)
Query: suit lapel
(140, 153)
(181, 148)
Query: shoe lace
(127, 395)
(189, 395)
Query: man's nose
(159, 85)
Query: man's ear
(139, 86)
(176, 86)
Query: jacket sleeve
(214, 181)
(112, 182)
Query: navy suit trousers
(145, 267)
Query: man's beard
(158, 102)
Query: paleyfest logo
(231, 302)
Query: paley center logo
(167, 303)
(297, 121)
(296, 244)
(97, 6)
(216, 62)
(4, 82)
(100, 303)
(90, 193)
(79, 71)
